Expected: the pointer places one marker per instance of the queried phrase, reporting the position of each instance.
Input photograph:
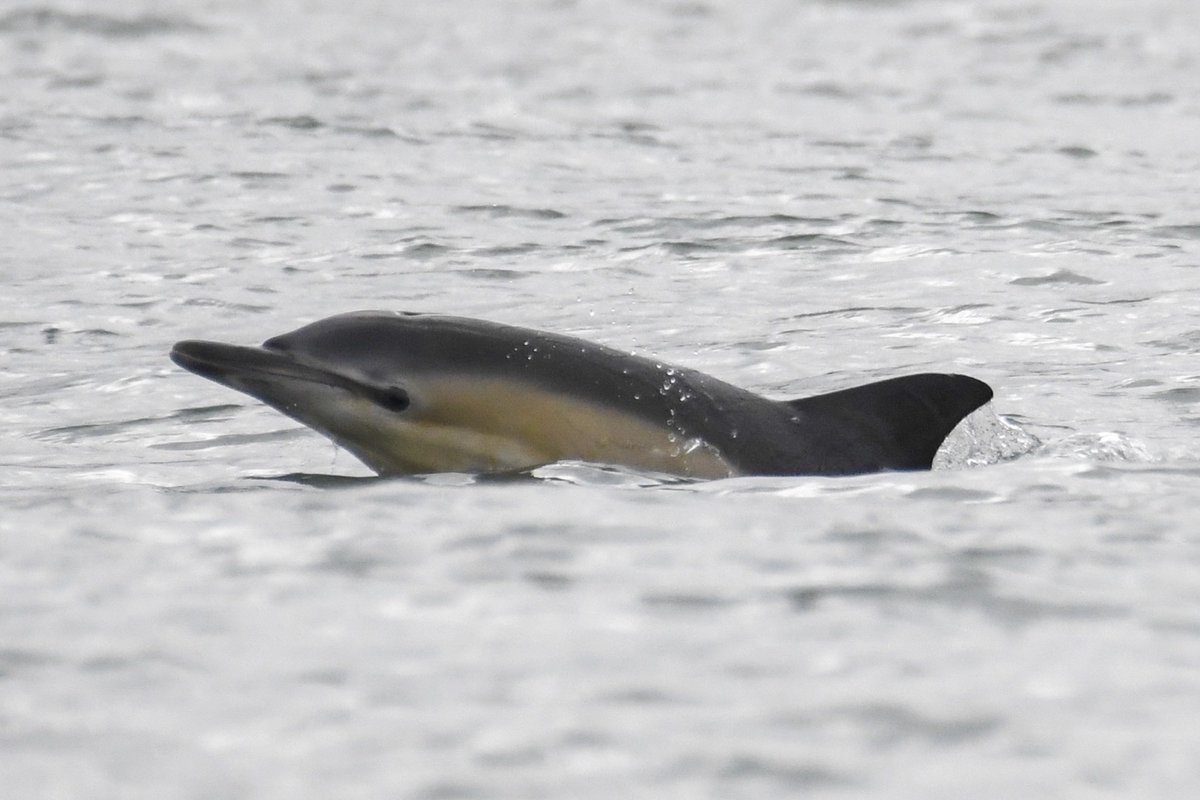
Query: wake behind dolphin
(419, 393)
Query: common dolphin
(419, 393)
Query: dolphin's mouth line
(223, 362)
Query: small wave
(1059, 276)
(806, 241)
(849, 312)
(419, 251)
(702, 602)
(258, 177)
(1182, 395)
(229, 439)
(705, 222)
(300, 122)
(1122, 100)
(809, 242)
(964, 588)
(976, 217)
(324, 481)
(1184, 342)
(1179, 231)
(890, 724)
(494, 273)
(501, 211)
(381, 132)
(697, 247)
(69, 434)
(15, 659)
(1078, 151)
(786, 773)
(28, 20)
(424, 250)
(225, 305)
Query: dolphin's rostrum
(419, 393)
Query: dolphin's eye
(393, 399)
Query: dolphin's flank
(419, 393)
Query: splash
(1108, 446)
(984, 437)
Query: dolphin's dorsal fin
(897, 424)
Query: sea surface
(201, 600)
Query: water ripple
(787, 773)
(968, 588)
(302, 122)
(1061, 276)
(28, 20)
(502, 211)
(889, 724)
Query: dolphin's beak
(245, 367)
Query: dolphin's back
(403, 343)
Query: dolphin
(411, 393)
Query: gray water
(199, 599)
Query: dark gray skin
(383, 357)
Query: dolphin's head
(374, 383)
(378, 347)
(411, 393)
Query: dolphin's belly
(473, 425)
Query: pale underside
(461, 424)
